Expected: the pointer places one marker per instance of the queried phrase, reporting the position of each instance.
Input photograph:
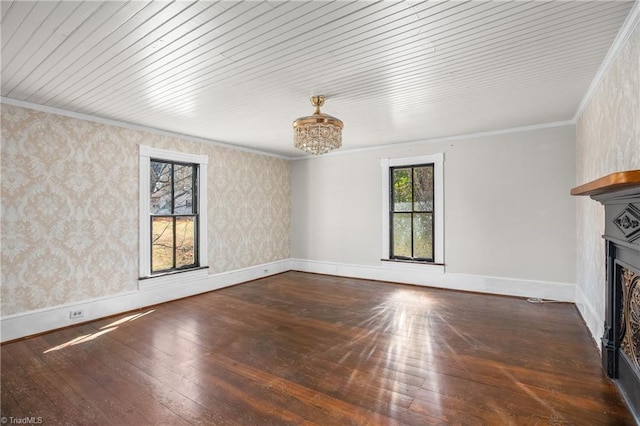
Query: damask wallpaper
(607, 141)
(69, 204)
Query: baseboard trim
(29, 323)
(593, 321)
(26, 324)
(419, 275)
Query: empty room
(320, 212)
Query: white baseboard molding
(419, 275)
(34, 322)
(593, 320)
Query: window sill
(173, 278)
(413, 264)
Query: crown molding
(630, 24)
(132, 126)
(445, 139)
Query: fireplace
(620, 195)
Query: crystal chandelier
(318, 133)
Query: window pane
(161, 243)
(423, 235)
(423, 188)
(160, 187)
(401, 235)
(183, 189)
(402, 190)
(185, 241)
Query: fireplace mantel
(609, 183)
(620, 195)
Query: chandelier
(318, 133)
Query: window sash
(176, 262)
(412, 213)
(158, 259)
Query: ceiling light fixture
(318, 133)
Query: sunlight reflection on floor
(403, 321)
(80, 339)
(128, 319)
(104, 330)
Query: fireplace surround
(620, 344)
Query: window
(413, 217)
(172, 212)
(411, 213)
(173, 215)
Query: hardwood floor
(300, 348)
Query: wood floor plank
(244, 401)
(149, 376)
(306, 349)
(315, 372)
(329, 378)
(10, 406)
(115, 397)
(212, 404)
(33, 402)
(219, 375)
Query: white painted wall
(508, 212)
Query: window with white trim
(413, 210)
(172, 212)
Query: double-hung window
(173, 219)
(174, 215)
(413, 213)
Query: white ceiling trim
(131, 126)
(630, 24)
(446, 139)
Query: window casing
(173, 219)
(413, 209)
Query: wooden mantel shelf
(609, 183)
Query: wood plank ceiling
(240, 72)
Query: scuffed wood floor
(300, 348)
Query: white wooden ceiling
(240, 72)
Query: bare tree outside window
(174, 215)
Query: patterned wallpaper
(608, 141)
(69, 204)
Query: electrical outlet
(78, 313)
